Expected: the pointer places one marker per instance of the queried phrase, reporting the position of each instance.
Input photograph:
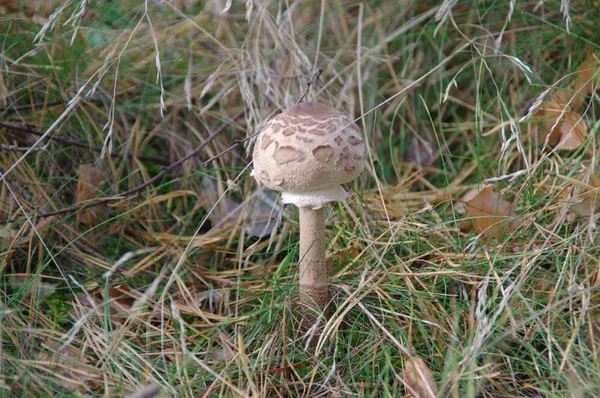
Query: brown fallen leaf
(120, 299)
(562, 124)
(564, 129)
(489, 213)
(460, 206)
(584, 82)
(419, 378)
(557, 125)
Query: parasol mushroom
(307, 152)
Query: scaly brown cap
(307, 152)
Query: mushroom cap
(307, 152)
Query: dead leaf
(460, 206)
(563, 126)
(419, 378)
(584, 82)
(560, 126)
(88, 184)
(569, 133)
(489, 213)
(120, 299)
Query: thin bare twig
(313, 81)
(18, 108)
(13, 148)
(235, 144)
(80, 144)
(140, 187)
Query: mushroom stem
(312, 267)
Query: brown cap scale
(307, 152)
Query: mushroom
(307, 152)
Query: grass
(188, 283)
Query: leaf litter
(489, 213)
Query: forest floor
(138, 257)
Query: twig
(13, 148)
(140, 187)
(313, 81)
(81, 144)
(235, 144)
(13, 109)
(211, 48)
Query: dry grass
(186, 282)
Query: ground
(138, 255)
